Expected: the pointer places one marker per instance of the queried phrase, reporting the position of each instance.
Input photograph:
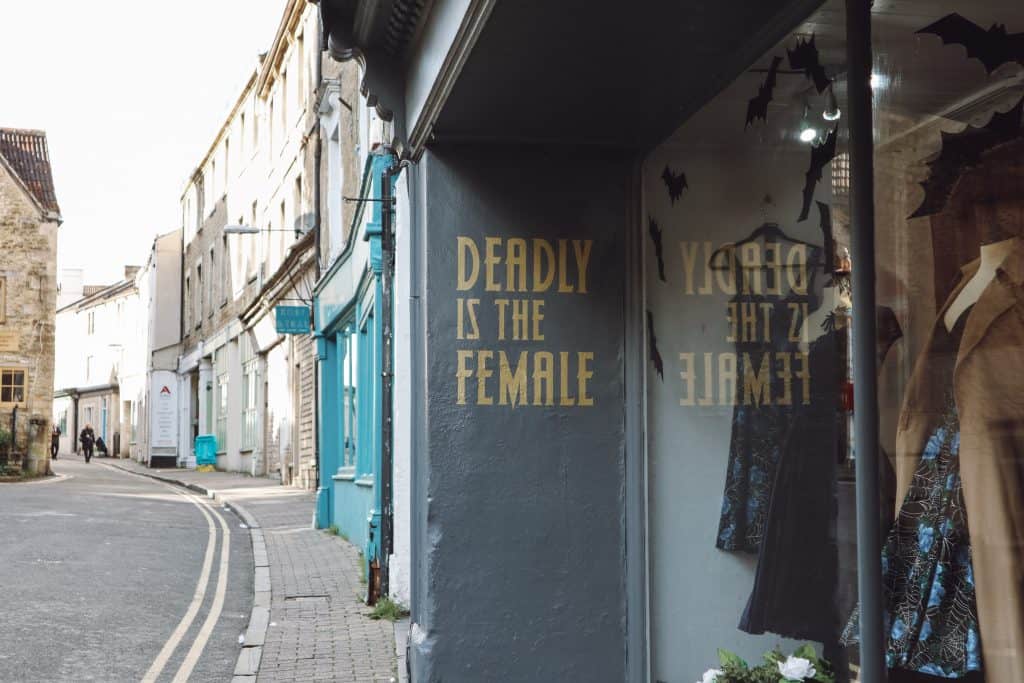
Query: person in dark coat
(88, 438)
(54, 441)
(101, 447)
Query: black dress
(794, 593)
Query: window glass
(948, 83)
(750, 492)
(12, 386)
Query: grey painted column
(865, 417)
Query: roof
(26, 153)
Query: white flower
(796, 669)
(710, 676)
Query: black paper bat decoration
(830, 242)
(993, 47)
(962, 151)
(804, 57)
(821, 156)
(757, 107)
(653, 342)
(655, 232)
(675, 183)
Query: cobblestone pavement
(319, 628)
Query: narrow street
(122, 578)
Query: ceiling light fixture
(831, 111)
(808, 133)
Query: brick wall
(28, 261)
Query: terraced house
(249, 213)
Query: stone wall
(28, 262)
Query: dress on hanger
(932, 613)
(794, 593)
(759, 431)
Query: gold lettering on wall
(526, 267)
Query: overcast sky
(130, 95)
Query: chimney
(130, 272)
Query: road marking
(157, 667)
(216, 607)
(50, 480)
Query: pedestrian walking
(54, 441)
(88, 438)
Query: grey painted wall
(520, 555)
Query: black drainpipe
(387, 523)
(317, 253)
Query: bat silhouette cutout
(757, 107)
(675, 183)
(652, 341)
(993, 47)
(804, 57)
(655, 232)
(821, 156)
(830, 242)
(963, 151)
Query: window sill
(246, 450)
(366, 481)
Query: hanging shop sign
(292, 319)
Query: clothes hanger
(769, 230)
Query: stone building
(29, 217)
(249, 212)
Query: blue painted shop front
(347, 315)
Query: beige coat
(989, 390)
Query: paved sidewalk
(318, 628)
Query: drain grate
(306, 598)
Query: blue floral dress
(932, 614)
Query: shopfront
(721, 320)
(348, 329)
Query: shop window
(751, 501)
(368, 408)
(249, 393)
(12, 386)
(748, 309)
(948, 86)
(348, 341)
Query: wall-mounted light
(250, 230)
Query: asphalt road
(100, 570)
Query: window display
(750, 454)
(748, 316)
